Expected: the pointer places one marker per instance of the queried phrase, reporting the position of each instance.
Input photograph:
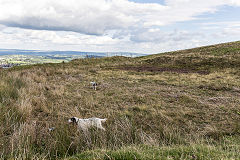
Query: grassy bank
(167, 106)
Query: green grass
(191, 151)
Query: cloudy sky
(144, 26)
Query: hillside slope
(185, 103)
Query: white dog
(94, 85)
(84, 124)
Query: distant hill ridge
(41, 52)
(201, 59)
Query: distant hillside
(44, 53)
(29, 57)
(203, 59)
(175, 105)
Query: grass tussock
(180, 105)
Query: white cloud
(228, 32)
(235, 2)
(222, 23)
(157, 36)
(104, 24)
(88, 17)
(223, 28)
(99, 16)
(61, 38)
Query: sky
(140, 26)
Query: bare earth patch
(160, 69)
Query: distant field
(36, 59)
(26, 57)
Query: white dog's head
(73, 120)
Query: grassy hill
(175, 105)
